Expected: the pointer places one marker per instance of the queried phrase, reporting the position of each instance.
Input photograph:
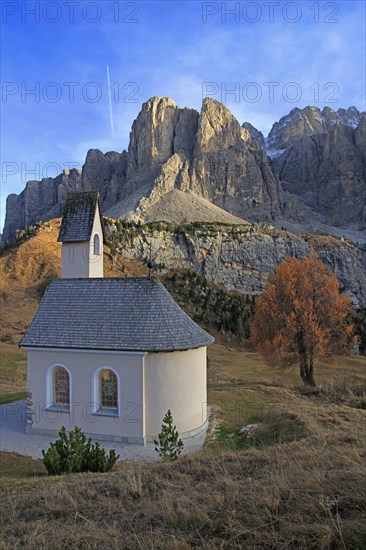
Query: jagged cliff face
(308, 121)
(180, 162)
(255, 134)
(44, 200)
(230, 169)
(328, 172)
(242, 258)
(160, 130)
(207, 155)
(319, 158)
(105, 173)
(40, 200)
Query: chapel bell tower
(81, 235)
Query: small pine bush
(169, 445)
(98, 461)
(73, 453)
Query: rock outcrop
(206, 155)
(255, 134)
(40, 200)
(230, 169)
(306, 122)
(241, 258)
(197, 159)
(105, 173)
(327, 171)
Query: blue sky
(276, 55)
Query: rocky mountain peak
(151, 135)
(228, 169)
(160, 130)
(218, 128)
(255, 134)
(179, 156)
(327, 170)
(305, 122)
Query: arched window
(96, 244)
(61, 386)
(58, 388)
(106, 392)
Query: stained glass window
(61, 386)
(108, 389)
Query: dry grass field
(298, 480)
(26, 269)
(12, 373)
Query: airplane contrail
(110, 99)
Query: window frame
(49, 387)
(98, 410)
(96, 235)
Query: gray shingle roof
(78, 217)
(135, 314)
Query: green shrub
(73, 453)
(98, 461)
(20, 234)
(169, 446)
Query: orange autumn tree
(301, 317)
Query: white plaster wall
(82, 366)
(75, 260)
(79, 260)
(175, 381)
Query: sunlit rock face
(311, 166)
(241, 259)
(207, 153)
(309, 121)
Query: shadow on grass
(19, 466)
(9, 397)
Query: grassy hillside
(209, 304)
(28, 266)
(294, 482)
(297, 481)
(12, 373)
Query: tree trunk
(311, 381)
(307, 369)
(303, 367)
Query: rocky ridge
(327, 171)
(217, 170)
(207, 154)
(255, 134)
(306, 122)
(240, 258)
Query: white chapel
(111, 355)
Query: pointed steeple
(81, 234)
